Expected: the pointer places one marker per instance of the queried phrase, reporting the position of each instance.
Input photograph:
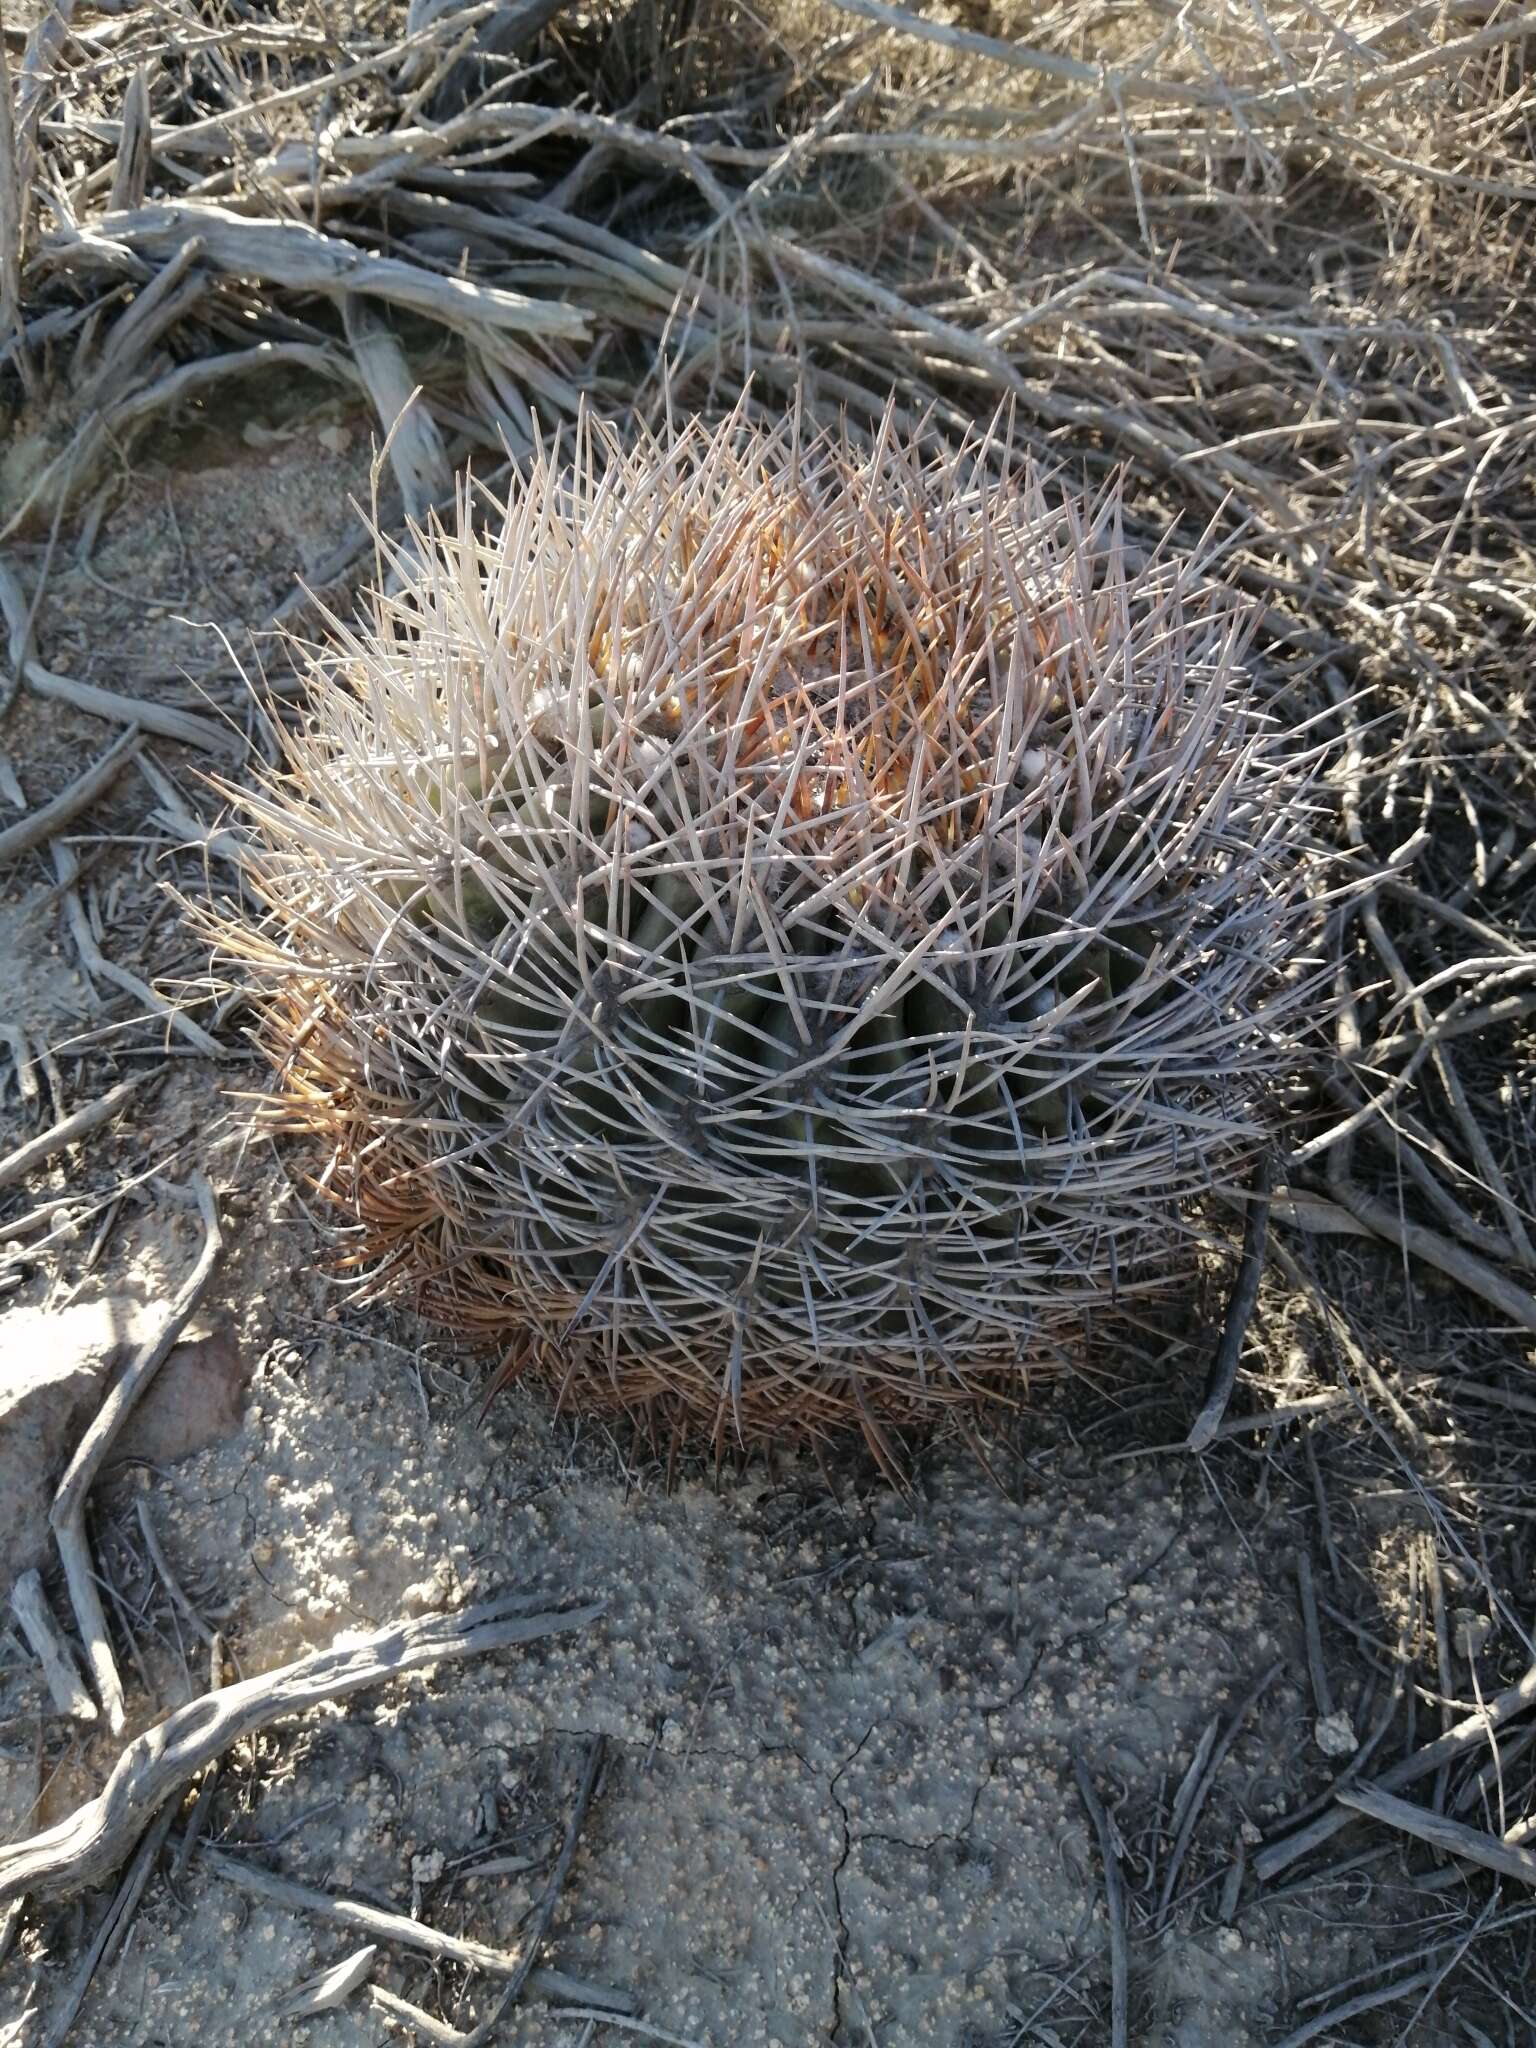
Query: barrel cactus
(774, 933)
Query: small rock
(195, 1399)
(55, 1372)
(429, 1595)
(1470, 1633)
(45, 1398)
(1334, 1735)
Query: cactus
(776, 934)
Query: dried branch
(1517, 1304)
(12, 224)
(61, 1674)
(67, 1514)
(292, 257)
(1423, 1763)
(1245, 1294)
(67, 867)
(1453, 1836)
(130, 711)
(112, 1928)
(1114, 1901)
(401, 1931)
(87, 1846)
(53, 816)
(78, 1124)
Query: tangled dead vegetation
(774, 933)
(1272, 262)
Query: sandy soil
(840, 1795)
(839, 1805)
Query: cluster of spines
(775, 930)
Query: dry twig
(1114, 1901)
(53, 816)
(534, 1940)
(78, 1124)
(134, 712)
(1424, 1762)
(113, 1928)
(90, 1843)
(1453, 1836)
(67, 867)
(401, 1931)
(67, 1515)
(61, 1674)
(1245, 1294)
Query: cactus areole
(775, 936)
